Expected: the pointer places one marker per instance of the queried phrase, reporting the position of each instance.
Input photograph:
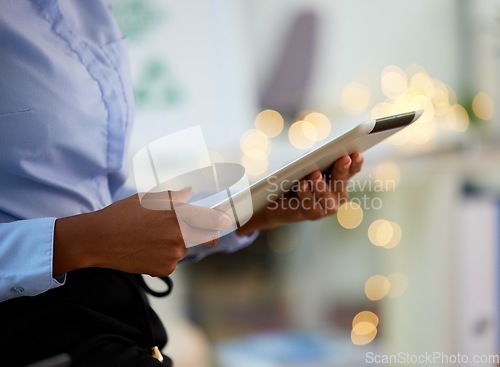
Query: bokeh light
(377, 287)
(397, 234)
(440, 99)
(269, 122)
(380, 232)
(381, 109)
(302, 134)
(421, 132)
(355, 98)
(255, 143)
(383, 233)
(400, 138)
(255, 164)
(350, 215)
(452, 95)
(365, 316)
(321, 123)
(364, 328)
(421, 84)
(363, 339)
(483, 106)
(413, 89)
(394, 82)
(457, 118)
(420, 102)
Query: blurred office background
(412, 268)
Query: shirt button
(17, 289)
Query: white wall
(358, 38)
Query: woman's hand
(314, 197)
(134, 236)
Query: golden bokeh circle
(350, 215)
(377, 287)
(270, 123)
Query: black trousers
(100, 317)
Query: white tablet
(358, 139)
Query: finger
(306, 200)
(291, 211)
(324, 202)
(340, 177)
(201, 217)
(340, 169)
(357, 163)
(163, 200)
(304, 190)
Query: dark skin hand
(314, 188)
(129, 236)
(134, 236)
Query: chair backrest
(291, 76)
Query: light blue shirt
(66, 110)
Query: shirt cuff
(229, 243)
(26, 258)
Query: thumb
(163, 200)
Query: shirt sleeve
(229, 243)
(26, 248)
(123, 192)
